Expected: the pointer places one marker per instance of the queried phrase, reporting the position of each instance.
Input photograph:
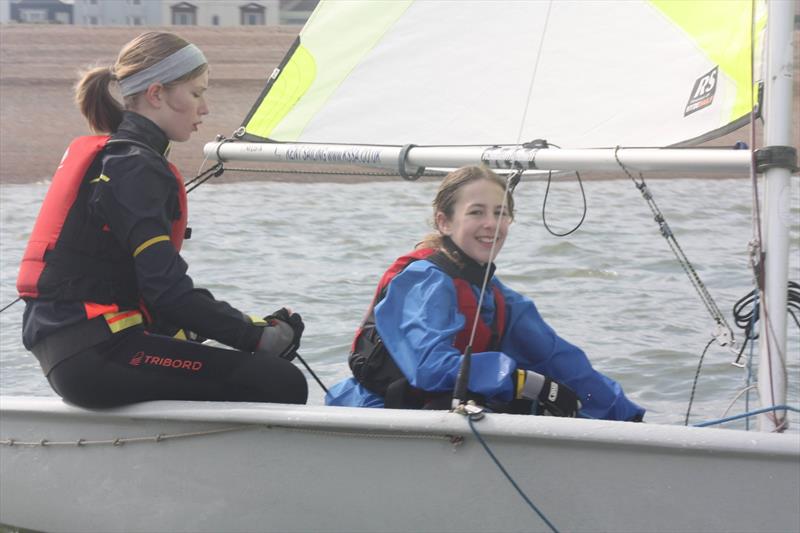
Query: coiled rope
(746, 312)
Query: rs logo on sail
(703, 92)
(187, 364)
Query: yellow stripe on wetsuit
(122, 320)
(101, 177)
(148, 243)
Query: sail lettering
(333, 155)
(702, 94)
(707, 83)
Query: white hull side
(303, 468)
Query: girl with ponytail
(111, 313)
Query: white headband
(168, 69)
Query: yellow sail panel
(722, 29)
(333, 41)
(292, 83)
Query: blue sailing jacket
(419, 319)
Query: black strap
(401, 164)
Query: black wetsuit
(128, 212)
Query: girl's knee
(296, 386)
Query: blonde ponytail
(95, 101)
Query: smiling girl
(408, 351)
(111, 313)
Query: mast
(775, 211)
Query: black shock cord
(544, 206)
(212, 172)
(545, 144)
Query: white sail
(577, 73)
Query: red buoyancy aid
(373, 367)
(467, 304)
(60, 200)
(178, 229)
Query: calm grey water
(613, 287)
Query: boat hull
(204, 466)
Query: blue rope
(505, 473)
(743, 415)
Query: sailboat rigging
(309, 125)
(624, 87)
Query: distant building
(296, 12)
(191, 12)
(221, 13)
(118, 13)
(37, 11)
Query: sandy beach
(39, 65)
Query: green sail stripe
(728, 46)
(330, 49)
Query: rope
(542, 144)
(319, 381)
(119, 441)
(749, 414)
(9, 305)
(748, 382)
(535, 69)
(328, 172)
(694, 383)
(212, 172)
(161, 437)
(747, 389)
(544, 206)
(508, 476)
(688, 268)
(746, 319)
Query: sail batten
(579, 74)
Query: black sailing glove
(281, 336)
(552, 398)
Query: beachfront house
(36, 11)
(191, 13)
